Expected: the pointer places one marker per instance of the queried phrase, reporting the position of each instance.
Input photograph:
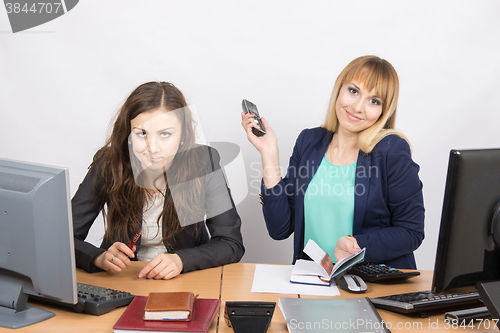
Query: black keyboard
(423, 300)
(380, 272)
(99, 300)
(93, 299)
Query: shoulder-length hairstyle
(378, 74)
(122, 199)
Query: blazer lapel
(361, 189)
(314, 161)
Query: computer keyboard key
(100, 300)
(93, 299)
(423, 300)
(380, 272)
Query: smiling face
(155, 138)
(357, 108)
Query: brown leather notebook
(169, 306)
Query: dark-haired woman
(152, 175)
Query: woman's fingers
(163, 266)
(117, 257)
(248, 122)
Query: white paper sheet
(320, 257)
(309, 272)
(276, 279)
(308, 267)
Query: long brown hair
(122, 199)
(378, 74)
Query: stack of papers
(276, 279)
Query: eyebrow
(355, 86)
(162, 130)
(374, 96)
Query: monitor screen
(36, 241)
(466, 253)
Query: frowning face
(156, 136)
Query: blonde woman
(354, 175)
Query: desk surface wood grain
(231, 283)
(206, 283)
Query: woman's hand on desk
(115, 258)
(164, 266)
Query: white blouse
(151, 234)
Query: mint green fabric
(329, 205)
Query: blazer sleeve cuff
(85, 253)
(274, 193)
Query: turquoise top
(329, 205)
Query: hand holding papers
(321, 270)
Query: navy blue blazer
(388, 204)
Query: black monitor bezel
(461, 165)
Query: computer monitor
(466, 251)
(36, 241)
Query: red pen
(136, 237)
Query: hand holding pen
(136, 237)
(117, 256)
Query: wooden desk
(229, 283)
(206, 283)
(237, 282)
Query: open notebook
(321, 270)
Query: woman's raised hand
(265, 143)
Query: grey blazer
(195, 246)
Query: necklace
(347, 160)
(345, 163)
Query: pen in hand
(136, 237)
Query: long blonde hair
(378, 74)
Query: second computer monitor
(466, 252)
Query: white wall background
(62, 82)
